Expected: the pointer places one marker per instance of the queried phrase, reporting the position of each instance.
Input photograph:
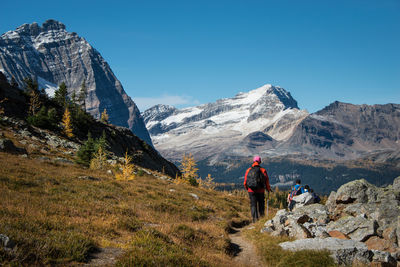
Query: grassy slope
(54, 217)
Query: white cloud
(144, 103)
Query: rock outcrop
(52, 55)
(360, 222)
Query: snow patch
(183, 113)
(49, 87)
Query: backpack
(255, 178)
(294, 192)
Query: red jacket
(261, 190)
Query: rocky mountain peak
(158, 112)
(52, 25)
(242, 124)
(51, 55)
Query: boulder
(331, 202)
(358, 191)
(343, 251)
(377, 243)
(387, 212)
(6, 242)
(396, 184)
(385, 258)
(317, 212)
(316, 229)
(338, 234)
(7, 145)
(357, 228)
(296, 230)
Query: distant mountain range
(224, 135)
(51, 55)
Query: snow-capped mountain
(238, 126)
(52, 55)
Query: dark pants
(257, 205)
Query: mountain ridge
(51, 55)
(339, 141)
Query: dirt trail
(243, 251)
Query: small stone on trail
(194, 196)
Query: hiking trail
(244, 252)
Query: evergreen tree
(13, 82)
(31, 86)
(66, 121)
(82, 95)
(61, 95)
(74, 97)
(86, 151)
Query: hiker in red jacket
(256, 181)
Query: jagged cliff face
(238, 126)
(52, 55)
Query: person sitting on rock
(296, 190)
(317, 199)
(306, 188)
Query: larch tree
(189, 170)
(67, 124)
(104, 117)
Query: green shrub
(46, 119)
(87, 151)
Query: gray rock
(343, 251)
(24, 133)
(331, 202)
(383, 257)
(357, 228)
(396, 183)
(316, 230)
(7, 145)
(89, 178)
(296, 230)
(317, 212)
(63, 160)
(6, 242)
(358, 191)
(194, 196)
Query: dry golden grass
(57, 218)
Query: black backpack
(255, 178)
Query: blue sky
(189, 52)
